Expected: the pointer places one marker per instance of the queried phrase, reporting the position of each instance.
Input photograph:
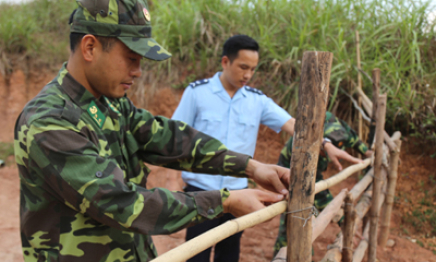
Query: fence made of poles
(365, 199)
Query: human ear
(88, 47)
(224, 61)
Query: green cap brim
(147, 47)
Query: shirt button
(210, 212)
(98, 174)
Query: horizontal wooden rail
(341, 176)
(324, 218)
(215, 235)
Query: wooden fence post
(374, 212)
(350, 217)
(392, 183)
(309, 127)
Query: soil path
(257, 242)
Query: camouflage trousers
(322, 199)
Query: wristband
(324, 141)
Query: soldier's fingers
(337, 164)
(351, 159)
(277, 183)
(269, 197)
(285, 175)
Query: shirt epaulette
(254, 90)
(199, 82)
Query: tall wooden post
(392, 183)
(309, 127)
(350, 217)
(375, 92)
(374, 211)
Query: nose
(248, 74)
(136, 69)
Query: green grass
(37, 29)
(394, 36)
(6, 149)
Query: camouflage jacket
(341, 135)
(82, 176)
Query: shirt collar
(218, 86)
(79, 94)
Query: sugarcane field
(218, 130)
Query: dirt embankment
(414, 184)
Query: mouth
(127, 85)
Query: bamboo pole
(339, 177)
(362, 208)
(204, 241)
(324, 218)
(392, 183)
(366, 102)
(374, 214)
(350, 217)
(309, 127)
(368, 105)
(363, 183)
(375, 94)
(359, 252)
(334, 251)
(359, 84)
(364, 205)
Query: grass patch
(423, 220)
(37, 29)
(6, 150)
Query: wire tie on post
(314, 212)
(333, 246)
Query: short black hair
(106, 42)
(238, 42)
(75, 38)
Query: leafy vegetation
(395, 36)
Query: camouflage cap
(127, 20)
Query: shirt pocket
(211, 124)
(248, 127)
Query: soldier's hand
(335, 154)
(369, 153)
(242, 202)
(271, 177)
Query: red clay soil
(414, 184)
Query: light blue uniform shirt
(206, 106)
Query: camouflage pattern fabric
(82, 176)
(342, 136)
(127, 20)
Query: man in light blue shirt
(225, 108)
(230, 111)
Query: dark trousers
(225, 251)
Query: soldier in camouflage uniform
(80, 146)
(340, 135)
